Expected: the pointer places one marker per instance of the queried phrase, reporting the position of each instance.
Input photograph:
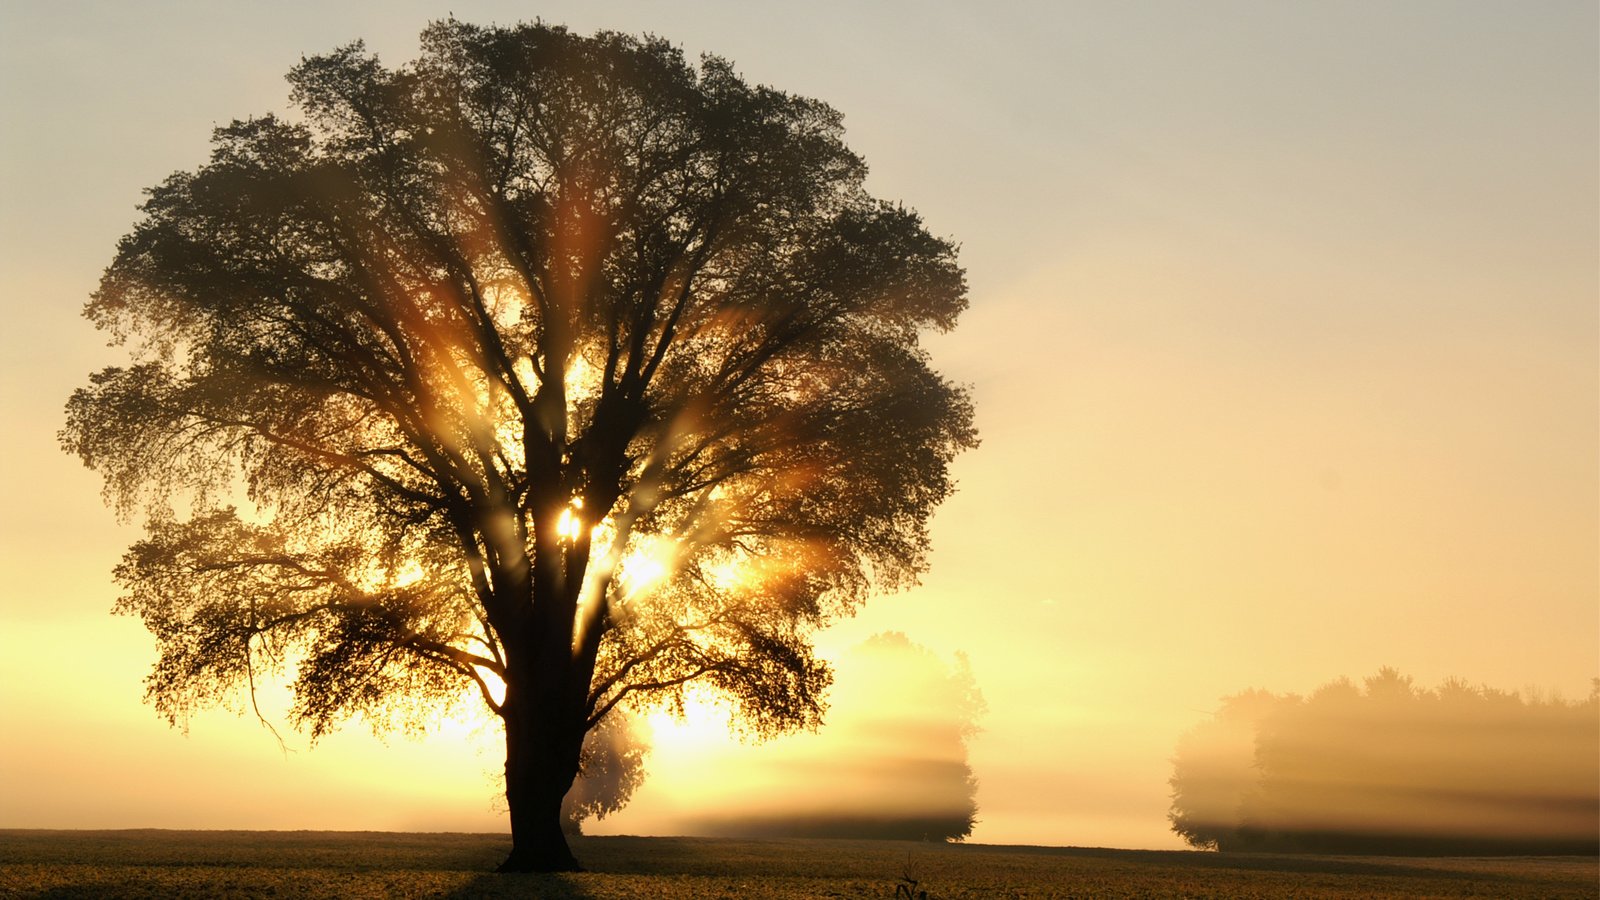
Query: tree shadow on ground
(546, 887)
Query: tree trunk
(538, 774)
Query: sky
(1283, 341)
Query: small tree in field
(551, 365)
(610, 769)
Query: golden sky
(1283, 341)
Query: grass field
(370, 864)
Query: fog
(890, 760)
(1390, 767)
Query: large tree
(553, 365)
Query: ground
(66, 864)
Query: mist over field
(890, 762)
(1387, 767)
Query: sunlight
(703, 728)
(570, 526)
(647, 566)
(582, 385)
(496, 685)
(408, 574)
(578, 372)
(377, 579)
(727, 573)
(471, 723)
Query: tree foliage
(544, 360)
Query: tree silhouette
(549, 364)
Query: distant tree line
(1387, 767)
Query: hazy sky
(1283, 341)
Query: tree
(610, 769)
(549, 365)
(1214, 773)
(1392, 769)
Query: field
(64, 864)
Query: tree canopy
(553, 364)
